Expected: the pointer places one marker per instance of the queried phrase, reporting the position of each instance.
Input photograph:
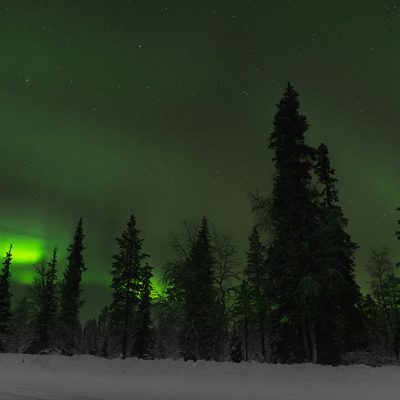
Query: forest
(295, 300)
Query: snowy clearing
(90, 378)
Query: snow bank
(90, 378)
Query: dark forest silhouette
(295, 300)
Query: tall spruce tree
(199, 329)
(256, 276)
(310, 257)
(291, 211)
(5, 294)
(243, 310)
(52, 292)
(144, 332)
(335, 259)
(70, 301)
(44, 303)
(126, 276)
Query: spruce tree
(243, 311)
(39, 309)
(199, 299)
(20, 325)
(144, 332)
(5, 294)
(126, 283)
(325, 298)
(103, 325)
(235, 348)
(44, 303)
(20, 320)
(256, 277)
(70, 301)
(293, 287)
(90, 338)
(52, 293)
(335, 259)
(312, 294)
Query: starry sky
(162, 108)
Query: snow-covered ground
(90, 378)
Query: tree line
(295, 300)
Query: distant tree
(70, 301)
(5, 294)
(199, 299)
(184, 280)
(385, 287)
(20, 320)
(256, 277)
(52, 295)
(225, 255)
(143, 346)
(375, 327)
(43, 301)
(126, 283)
(243, 312)
(379, 267)
(166, 327)
(169, 306)
(235, 348)
(39, 310)
(20, 326)
(90, 338)
(103, 325)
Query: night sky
(162, 108)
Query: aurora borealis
(163, 109)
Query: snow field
(86, 377)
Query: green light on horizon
(25, 250)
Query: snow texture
(83, 377)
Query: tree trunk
(125, 332)
(384, 304)
(396, 342)
(305, 341)
(246, 339)
(313, 342)
(216, 352)
(397, 326)
(125, 340)
(127, 310)
(262, 339)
